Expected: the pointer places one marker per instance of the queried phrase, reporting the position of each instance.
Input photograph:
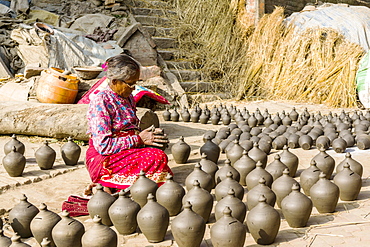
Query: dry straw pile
(270, 60)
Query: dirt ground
(55, 190)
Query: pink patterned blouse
(108, 116)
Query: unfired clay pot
(170, 195)
(45, 156)
(14, 142)
(70, 152)
(254, 176)
(353, 165)
(290, 160)
(205, 180)
(325, 163)
(225, 185)
(180, 151)
(309, 177)
(276, 167)
(141, 189)
(255, 193)
(258, 155)
(237, 206)
(14, 163)
(283, 186)
(68, 231)
(349, 184)
(211, 149)
(99, 205)
(99, 235)
(244, 166)
(209, 167)
(324, 195)
(221, 174)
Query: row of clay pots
(14, 162)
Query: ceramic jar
(68, 232)
(166, 115)
(45, 156)
(14, 142)
(123, 214)
(305, 142)
(99, 205)
(180, 151)
(254, 176)
(323, 142)
(170, 195)
(283, 186)
(237, 206)
(43, 223)
(70, 152)
(234, 153)
(290, 160)
(17, 242)
(205, 180)
(255, 193)
(263, 222)
(175, 115)
(225, 185)
(99, 235)
(141, 189)
(188, 227)
(349, 183)
(209, 167)
(296, 208)
(324, 195)
(4, 240)
(339, 145)
(227, 231)
(258, 155)
(153, 220)
(211, 149)
(276, 167)
(21, 215)
(14, 163)
(185, 115)
(353, 165)
(325, 162)
(244, 166)
(309, 177)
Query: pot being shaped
(70, 152)
(188, 227)
(180, 151)
(324, 195)
(45, 156)
(309, 177)
(141, 189)
(99, 235)
(258, 155)
(325, 163)
(254, 176)
(254, 194)
(201, 176)
(200, 199)
(276, 168)
(170, 195)
(353, 165)
(14, 163)
(263, 222)
(225, 185)
(221, 174)
(43, 223)
(123, 213)
(290, 160)
(153, 220)
(244, 166)
(349, 184)
(68, 231)
(14, 142)
(99, 205)
(20, 217)
(4, 240)
(209, 167)
(211, 149)
(296, 208)
(283, 186)
(17, 242)
(234, 153)
(228, 231)
(237, 206)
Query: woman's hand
(153, 137)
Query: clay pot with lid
(221, 174)
(276, 168)
(209, 167)
(17, 242)
(349, 183)
(45, 156)
(188, 228)
(123, 214)
(141, 189)
(258, 155)
(261, 189)
(237, 206)
(244, 166)
(234, 153)
(254, 176)
(353, 165)
(99, 205)
(14, 163)
(309, 177)
(14, 142)
(325, 162)
(170, 195)
(99, 235)
(290, 160)
(205, 180)
(263, 222)
(180, 151)
(211, 149)
(68, 231)
(225, 185)
(283, 186)
(324, 195)
(21, 215)
(70, 152)
(227, 231)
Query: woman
(117, 151)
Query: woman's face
(124, 88)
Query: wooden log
(54, 120)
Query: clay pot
(68, 231)
(227, 231)
(141, 189)
(99, 235)
(254, 176)
(205, 180)
(252, 121)
(244, 166)
(294, 114)
(237, 206)
(209, 167)
(14, 163)
(263, 222)
(194, 116)
(180, 151)
(287, 121)
(309, 177)
(290, 160)
(21, 215)
(185, 115)
(215, 119)
(350, 140)
(323, 142)
(166, 115)
(200, 199)
(203, 118)
(211, 150)
(235, 152)
(70, 152)
(4, 240)
(363, 142)
(153, 220)
(16, 241)
(45, 156)
(296, 208)
(305, 142)
(255, 193)
(258, 155)
(170, 195)
(188, 227)
(175, 115)
(349, 183)
(283, 186)
(276, 168)
(339, 145)
(43, 223)
(221, 174)
(325, 162)
(14, 142)
(226, 119)
(353, 165)
(279, 142)
(123, 214)
(99, 205)
(293, 141)
(225, 185)
(268, 121)
(324, 195)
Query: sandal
(75, 208)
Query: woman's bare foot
(89, 189)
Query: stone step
(165, 43)
(188, 75)
(159, 31)
(152, 20)
(197, 86)
(167, 54)
(180, 65)
(152, 12)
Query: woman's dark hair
(122, 67)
